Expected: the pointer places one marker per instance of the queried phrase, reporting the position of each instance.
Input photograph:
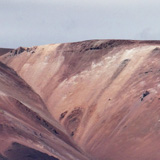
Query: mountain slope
(26, 127)
(104, 93)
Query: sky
(37, 22)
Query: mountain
(4, 51)
(96, 99)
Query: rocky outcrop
(22, 49)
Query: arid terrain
(89, 100)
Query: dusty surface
(103, 96)
(25, 123)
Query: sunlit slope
(26, 126)
(105, 93)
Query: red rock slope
(104, 93)
(27, 130)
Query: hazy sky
(37, 22)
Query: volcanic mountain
(90, 100)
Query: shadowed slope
(105, 93)
(19, 152)
(4, 51)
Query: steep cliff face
(105, 94)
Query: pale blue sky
(37, 22)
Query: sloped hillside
(27, 130)
(104, 93)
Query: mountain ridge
(100, 91)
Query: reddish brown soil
(96, 99)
